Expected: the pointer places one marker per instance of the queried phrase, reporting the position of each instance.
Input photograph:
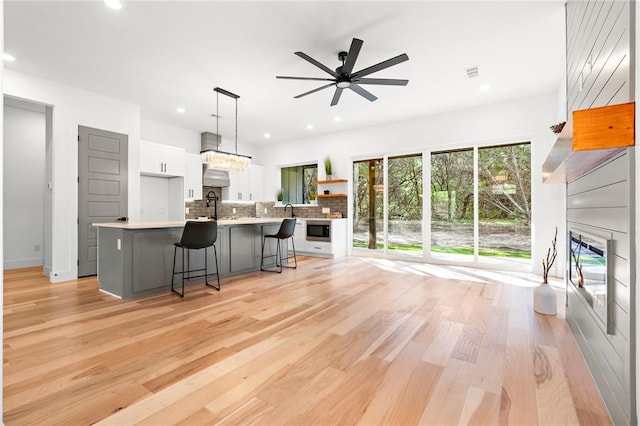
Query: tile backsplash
(199, 208)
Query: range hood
(212, 177)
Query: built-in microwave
(319, 230)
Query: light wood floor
(351, 341)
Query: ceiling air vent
(473, 72)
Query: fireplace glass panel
(588, 272)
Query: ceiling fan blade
(382, 81)
(362, 92)
(336, 96)
(354, 50)
(382, 65)
(317, 64)
(305, 78)
(314, 90)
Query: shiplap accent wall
(601, 202)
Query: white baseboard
(56, 277)
(23, 263)
(110, 294)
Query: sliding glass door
(504, 203)
(452, 205)
(368, 209)
(481, 204)
(479, 200)
(404, 196)
(388, 218)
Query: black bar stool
(286, 230)
(195, 236)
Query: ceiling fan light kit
(343, 78)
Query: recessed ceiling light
(267, 135)
(181, 110)
(113, 4)
(309, 126)
(7, 57)
(485, 87)
(336, 118)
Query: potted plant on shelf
(544, 297)
(557, 128)
(280, 195)
(328, 169)
(312, 197)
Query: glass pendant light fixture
(220, 160)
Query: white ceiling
(161, 55)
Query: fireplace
(589, 267)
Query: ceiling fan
(343, 78)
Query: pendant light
(221, 160)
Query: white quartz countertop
(180, 224)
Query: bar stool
(286, 230)
(195, 236)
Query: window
(493, 224)
(480, 201)
(504, 201)
(399, 231)
(299, 183)
(405, 205)
(452, 203)
(368, 206)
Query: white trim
(56, 277)
(23, 263)
(476, 207)
(110, 294)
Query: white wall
(1, 207)
(73, 107)
(521, 120)
(154, 131)
(24, 192)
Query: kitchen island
(136, 259)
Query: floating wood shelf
(322, 182)
(589, 138)
(331, 195)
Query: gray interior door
(102, 189)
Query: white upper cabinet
(193, 177)
(238, 189)
(246, 185)
(161, 160)
(256, 183)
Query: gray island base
(136, 259)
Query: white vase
(545, 299)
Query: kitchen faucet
(285, 209)
(211, 196)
